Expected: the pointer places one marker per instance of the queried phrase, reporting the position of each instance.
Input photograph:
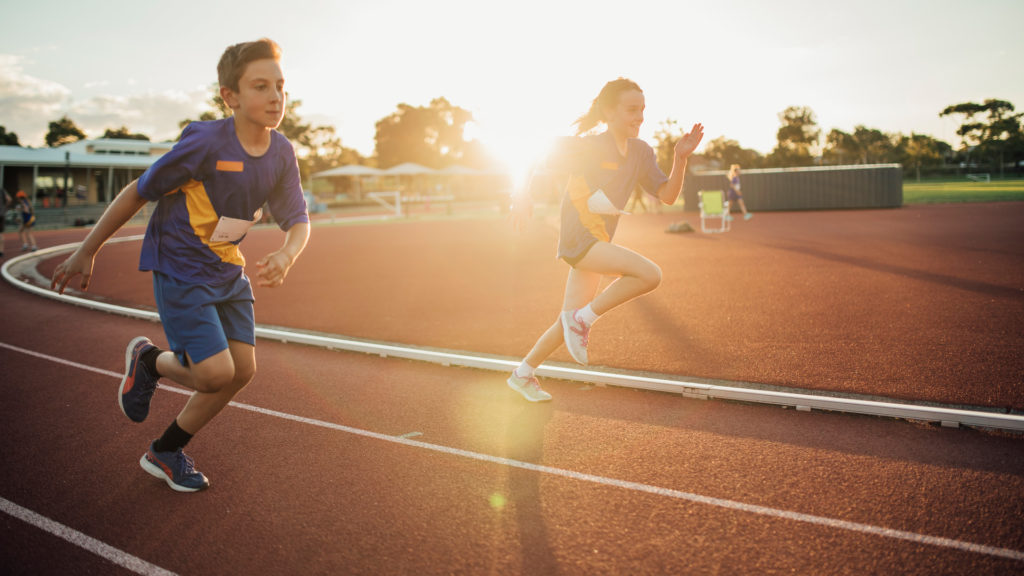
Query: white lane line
(664, 383)
(836, 523)
(119, 557)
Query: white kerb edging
(946, 416)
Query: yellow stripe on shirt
(579, 192)
(203, 219)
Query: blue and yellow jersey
(594, 163)
(28, 215)
(205, 176)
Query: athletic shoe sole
(158, 472)
(568, 335)
(128, 354)
(524, 393)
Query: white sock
(587, 315)
(524, 370)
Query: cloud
(26, 100)
(155, 114)
(29, 104)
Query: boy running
(209, 190)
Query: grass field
(941, 191)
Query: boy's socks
(148, 359)
(587, 315)
(174, 439)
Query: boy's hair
(235, 58)
(608, 98)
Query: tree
(998, 137)
(864, 146)
(797, 138)
(317, 147)
(876, 147)
(124, 134)
(8, 138)
(918, 151)
(725, 153)
(840, 148)
(429, 135)
(63, 131)
(665, 138)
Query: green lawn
(939, 191)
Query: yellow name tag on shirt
(229, 166)
(610, 165)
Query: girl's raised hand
(689, 142)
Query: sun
(518, 152)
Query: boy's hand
(77, 263)
(273, 268)
(689, 142)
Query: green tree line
(993, 141)
(435, 136)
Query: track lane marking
(825, 521)
(84, 541)
(946, 415)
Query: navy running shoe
(175, 468)
(138, 384)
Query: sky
(525, 69)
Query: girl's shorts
(199, 319)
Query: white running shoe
(577, 335)
(528, 387)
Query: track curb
(943, 415)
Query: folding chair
(713, 205)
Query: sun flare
(518, 154)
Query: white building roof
(101, 153)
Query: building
(83, 173)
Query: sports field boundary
(944, 415)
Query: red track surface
(924, 303)
(918, 303)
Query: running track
(345, 463)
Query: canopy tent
(409, 169)
(354, 171)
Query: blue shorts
(200, 319)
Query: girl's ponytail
(608, 98)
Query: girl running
(733, 187)
(603, 169)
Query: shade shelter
(409, 169)
(414, 179)
(353, 172)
